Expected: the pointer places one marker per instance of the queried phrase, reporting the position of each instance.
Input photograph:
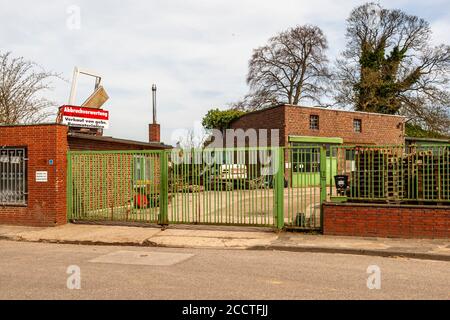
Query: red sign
(84, 117)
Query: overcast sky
(195, 51)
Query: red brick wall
(382, 220)
(294, 120)
(376, 128)
(46, 204)
(267, 119)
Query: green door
(306, 163)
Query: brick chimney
(154, 132)
(154, 128)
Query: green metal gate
(305, 186)
(237, 186)
(116, 186)
(224, 186)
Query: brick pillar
(154, 132)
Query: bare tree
(255, 101)
(389, 66)
(290, 68)
(193, 139)
(21, 85)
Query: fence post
(69, 186)
(164, 196)
(279, 188)
(323, 179)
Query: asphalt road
(38, 271)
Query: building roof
(159, 145)
(424, 139)
(320, 108)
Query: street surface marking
(143, 258)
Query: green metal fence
(248, 186)
(394, 173)
(272, 187)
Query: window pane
(314, 122)
(357, 125)
(13, 178)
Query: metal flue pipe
(154, 102)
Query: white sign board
(84, 117)
(41, 176)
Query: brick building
(310, 124)
(33, 169)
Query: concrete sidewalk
(229, 238)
